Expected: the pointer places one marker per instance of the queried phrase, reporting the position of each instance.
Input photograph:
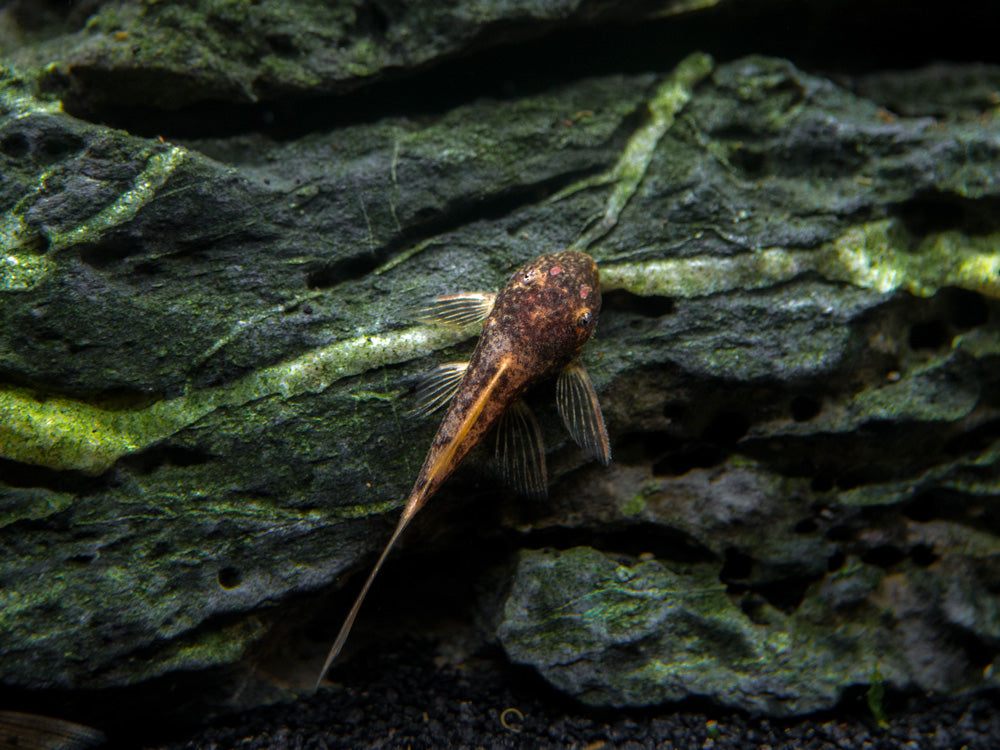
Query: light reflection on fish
(533, 329)
(34, 732)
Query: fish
(533, 329)
(35, 732)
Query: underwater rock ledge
(203, 373)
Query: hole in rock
(785, 595)
(923, 555)
(340, 271)
(929, 334)
(965, 309)
(726, 428)
(737, 567)
(230, 578)
(638, 448)
(884, 556)
(835, 561)
(804, 408)
(58, 145)
(821, 483)
(15, 146)
(839, 533)
(973, 442)
(931, 505)
(930, 214)
(371, 20)
(806, 526)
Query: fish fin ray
(456, 309)
(520, 452)
(437, 387)
(581, 412)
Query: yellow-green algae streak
(63, 433)
(868, 255)
(668, 99)
(21, 266)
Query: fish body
(22, 731)
(532, 330)
(538, 324)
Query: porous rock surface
(203, 354)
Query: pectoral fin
(520, 451)
(581, 412)
(457, 309)
(438, 387)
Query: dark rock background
(214, 215)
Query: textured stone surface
(203, 357)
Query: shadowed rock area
(215, 217)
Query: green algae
(870, 256)
(22, 263)
(632, 506)
(18, 97)
(63, 433)
(224, 645)
(22, 268)
(668, 99)
(159, 166)
(574, 613)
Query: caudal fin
(345, 629)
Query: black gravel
(398, 698)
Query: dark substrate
(397, 697)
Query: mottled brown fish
(533, 329)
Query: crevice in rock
(973, 442)
(932, 213)
(785, 594)
(497, 206)
(804, 408)
(652, 306)
(639, 448)
(978, 512)
(157, 456)
(17, 474)
(884, 556)
(633, 540)
(512, 59)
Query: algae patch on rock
(655, 635)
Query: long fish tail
(345, 629)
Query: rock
(204, 357)
(634, 635)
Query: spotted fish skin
(539, 323)
(535, 328)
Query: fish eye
(528, 276)
(584, 320)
